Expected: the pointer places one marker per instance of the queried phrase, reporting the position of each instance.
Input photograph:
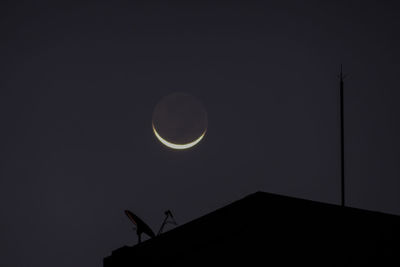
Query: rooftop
(280, 230)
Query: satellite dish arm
(162, 225)
(168, 214)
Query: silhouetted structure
(141, 226)
(168, 214)
(273, 230)
(342, 162)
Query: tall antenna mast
(342, 139)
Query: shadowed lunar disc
(179, 121)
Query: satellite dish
(141, 226)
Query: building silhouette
(264, 229)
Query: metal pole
(342, 139)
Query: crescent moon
(178, 146)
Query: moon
(177, 146)
(179, 121)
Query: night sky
(80, 80)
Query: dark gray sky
(79, 82)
